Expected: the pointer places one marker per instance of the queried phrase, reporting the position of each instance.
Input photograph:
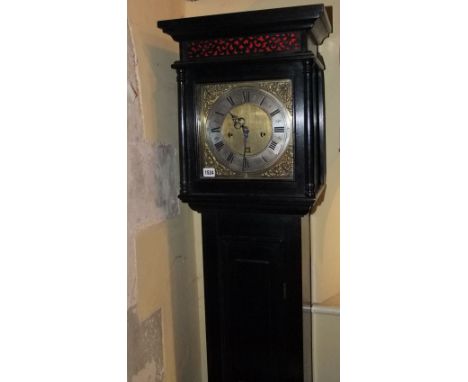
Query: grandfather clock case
(252, 162)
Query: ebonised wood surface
(271, 20)
(253, 297)
(304, 68)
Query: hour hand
(234, 117)
(235, 121)
(238, 121)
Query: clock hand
(238, 121)
(245, 131)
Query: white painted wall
(326, 347)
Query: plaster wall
(163, 326)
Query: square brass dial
(246, 130)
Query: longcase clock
(252, 161)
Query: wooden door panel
(253, 297)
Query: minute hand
(245, 131)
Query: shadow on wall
(164, 95)
(182, 260)
(184, 299)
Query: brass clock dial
(247, 130)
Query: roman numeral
(245, 163)
(230, 157)
(263, 100)
(273, 113)
(246, 96)
(272, 145)
(218, 129)
(219, 145)
(279, 129)
(230, 100)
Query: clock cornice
(308, 17)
